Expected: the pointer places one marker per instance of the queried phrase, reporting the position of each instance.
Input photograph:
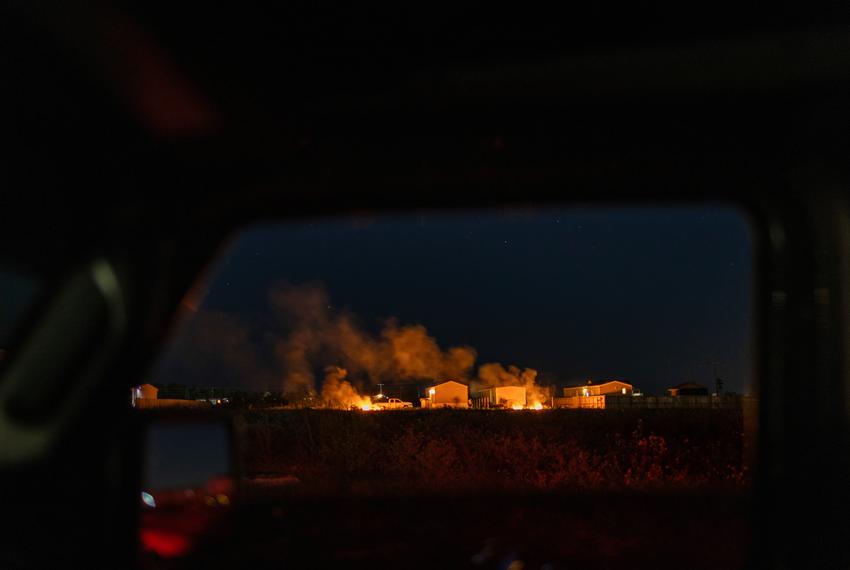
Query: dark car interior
(140, 136)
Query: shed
(499, 397)
(448, 394)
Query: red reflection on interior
(164, 543)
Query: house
(448, 394)
(688, 389)
(593, 395)
(599, 389)
(499, 397)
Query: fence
(620, 402)
(581, 402)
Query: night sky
(650, 295)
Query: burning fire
(534, 406)
(339, 393)
(494, 374)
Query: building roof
(449, 382)
(600, 383)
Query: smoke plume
(225, 350)
(494, 374)
(319, 335)
(339, 393)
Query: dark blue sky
(647, 294)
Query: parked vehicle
(392, 404)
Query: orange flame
(339, 393)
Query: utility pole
(718, 383)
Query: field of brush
(458, 451)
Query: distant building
(593, 395)
(688, 389)
(448, 394)
(143, 392)
(599, 389)
(500, 397)
(146, 396)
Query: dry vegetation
(458, 451)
